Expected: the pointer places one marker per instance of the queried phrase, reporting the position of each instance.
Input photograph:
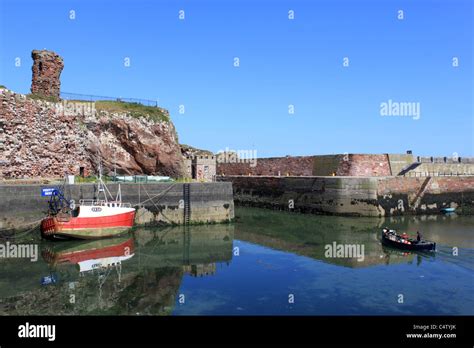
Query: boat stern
(49, 226)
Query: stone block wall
(442, 168)
(356, 196)
(364, 165)
(47, 67)
(37, 140)
(437, 184)
(326, 165)
(398, 162)
(295, 166)
(201, 167)
(205, 168)
(21, 205)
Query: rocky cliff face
(45, 139)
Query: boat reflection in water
(146, 272)
(136, 274)
(89, 256)
(308, 236)
(394, 256)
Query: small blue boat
(448, 210)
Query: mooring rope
(162, 193)
(157, 196)
(23, 233)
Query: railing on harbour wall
(90, 97)
(448, 160)
(141, 178)
(425, 174)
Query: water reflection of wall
(145, 282)
(449, 230)
(308, 235)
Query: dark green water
(266, 263)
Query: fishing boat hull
(60, 227)
(414, 246)
(88, 250)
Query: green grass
(87, 179)
(133, 109)
(183, 180)
(42, 97)
(2, 86)
(196, 151)
(91, 179)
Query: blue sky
(299, 62)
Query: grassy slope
(134, 109)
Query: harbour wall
(356, 196)
(292, 165)
(22, 205)
(363, 165)
(341, 165)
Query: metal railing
(425, 174)
(141, 178)
(102, 203)
(90, 97)
(449, 160)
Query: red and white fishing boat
(93, 218)
(92, 255)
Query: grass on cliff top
(42, 97)
(195, 151)
(134, 109)
(2, 86)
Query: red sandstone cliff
(134, 145)
(45, 139)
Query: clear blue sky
(282, 62)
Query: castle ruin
(47, 68)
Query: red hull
(87, 227)
(122, 249)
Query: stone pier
(160, 203)
(356, 196)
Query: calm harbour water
(266, 263)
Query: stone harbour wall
(364, 165)
(356, 196)
(298, 165)
(160, 203)
(324, 165)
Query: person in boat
(418, 236)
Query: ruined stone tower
(47, 67)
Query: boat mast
(103, 188)
(100, 183)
